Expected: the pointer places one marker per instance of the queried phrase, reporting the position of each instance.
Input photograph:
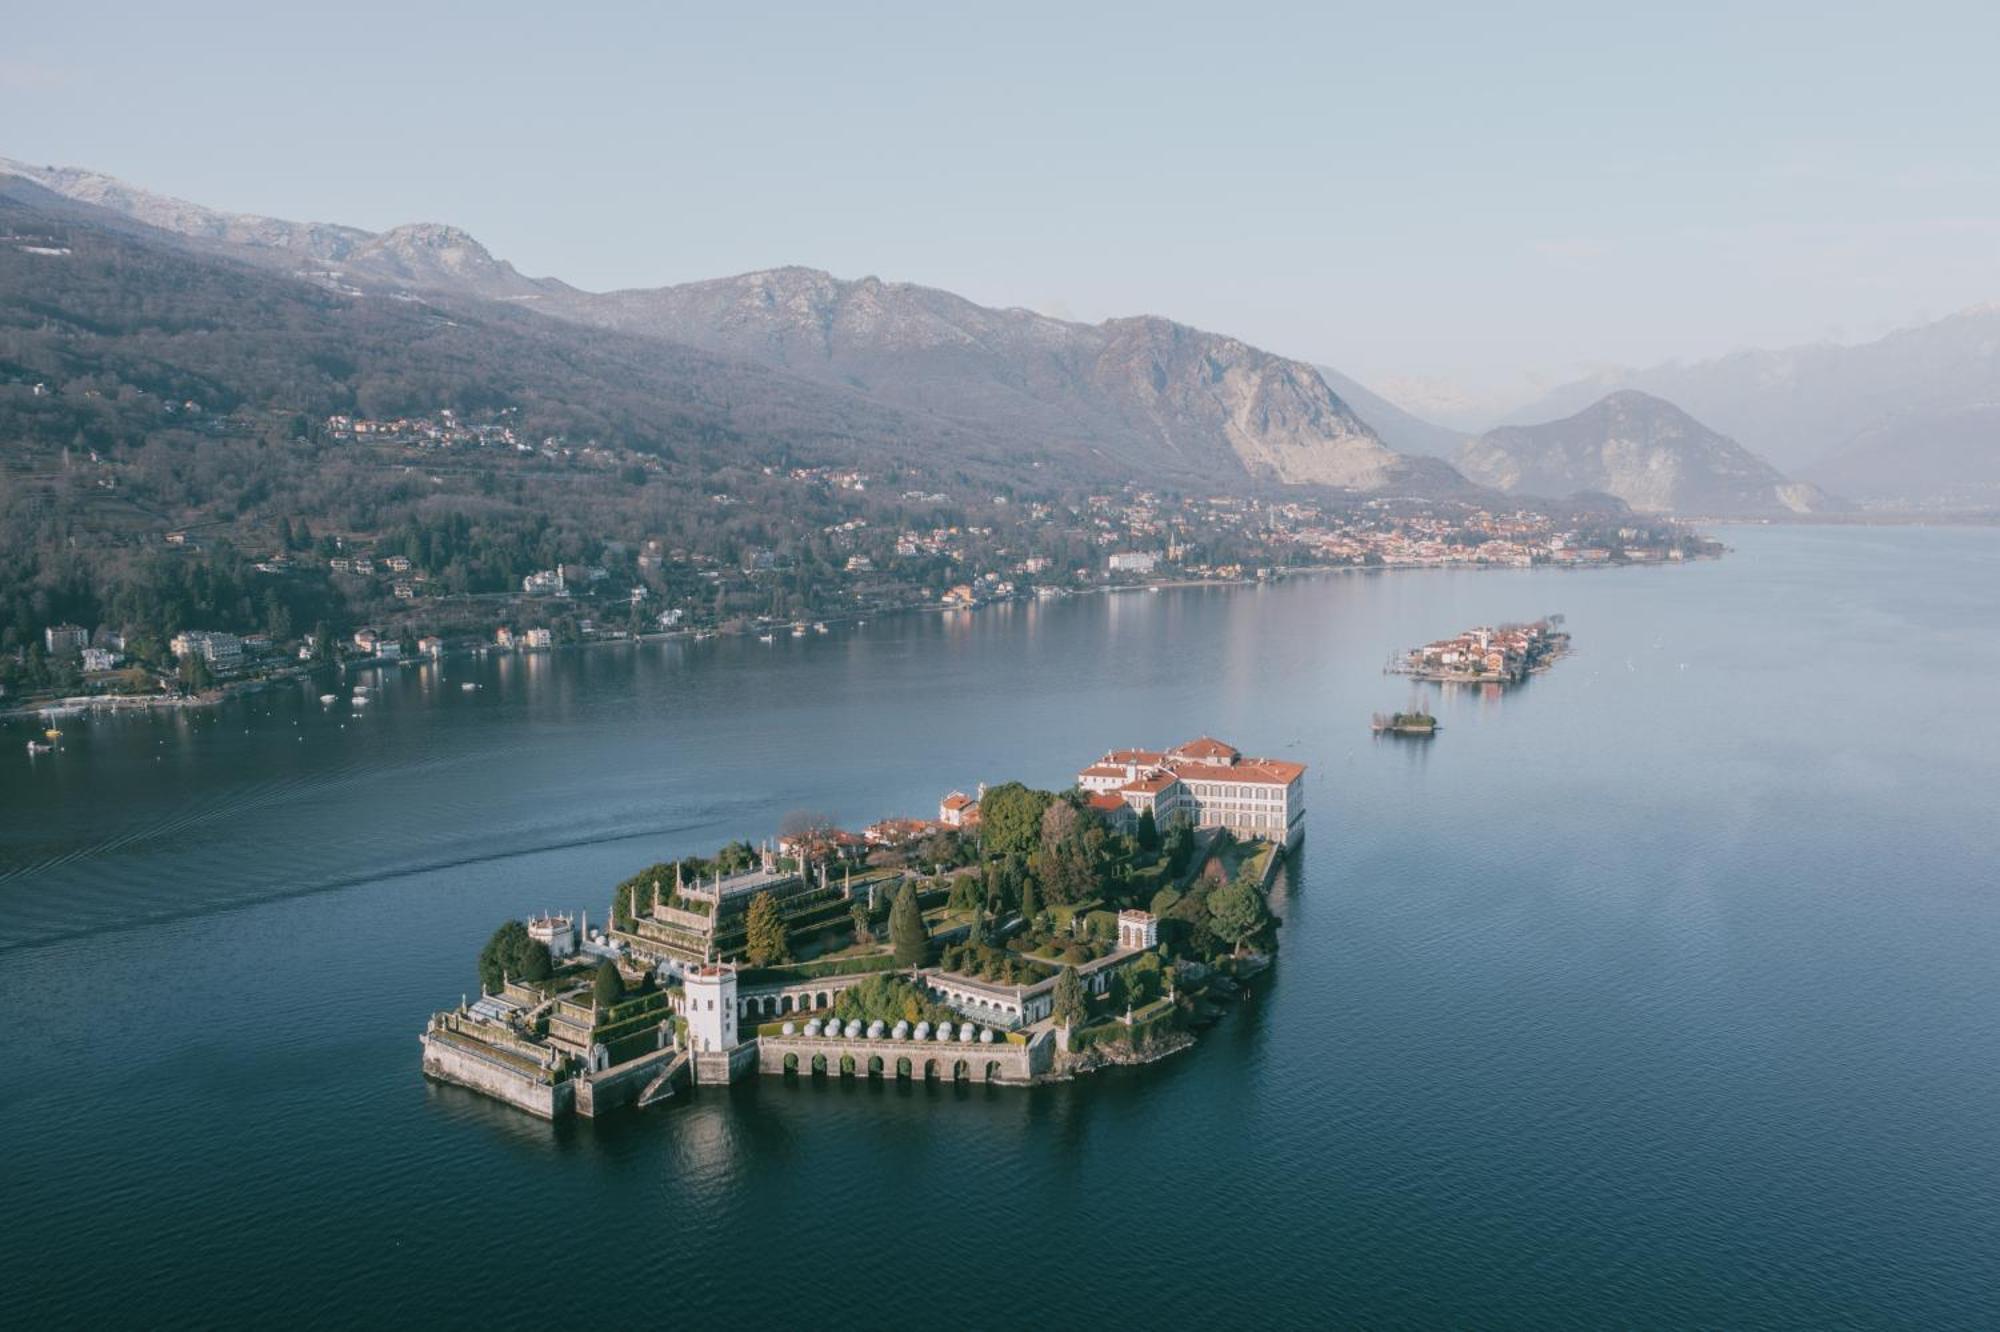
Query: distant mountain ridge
(1144, 395)
(1846, 416)
(1645, 451)
(1400, 429)
(1143, 389)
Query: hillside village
(771, 549)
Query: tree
(764, 932)
(906, 929)
(1059, 829)
(1031, 905)
(609, 987)
(1236, 913)
(858, 913)
(806, 825)
(1069, 998)
(1179, 845)
(1149, 831)
(511, 955)
(1010, 818)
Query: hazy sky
(1478, 193)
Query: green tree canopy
(889, 999)
(1179, 845)
(1069, 997)
(907, 936)
(764, 941)
(608, 987)
(511, 954)
(1010, 818)
(1236, 913)
(1072, 852)
(1148, 835)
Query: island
(1020, 936)
(1505, 655)
(1419, 723)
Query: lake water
(1660, 991)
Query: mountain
(119, 316)
(1142, 397)
(431, 255)
(1399, 429)
(1805, 406)
(300, 240)
(1940, 459)
(1645, 451)
(1154, 395)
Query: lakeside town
(1018, 936)
(307, 599)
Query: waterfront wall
(716, 1068)
(1000, 1062)
(1278, 856)
(464, 1068)
(619, 1086)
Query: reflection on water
(1652, 992)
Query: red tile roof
(1253, 772)
(1145, 758)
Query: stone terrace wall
(450, 1063)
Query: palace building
(1209, 784)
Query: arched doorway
(903, 1067)
(874, 1066)
(819, 1066)
(791, 1063)
(993, 1070)
(930, 1070)
(961, 1071)
(847, 1066)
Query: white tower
(711, 1006)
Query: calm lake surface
(1661, 991)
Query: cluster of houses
(523, 640)
(73, 640)
(221, 652)
(1504, 654)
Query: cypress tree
(906, 929)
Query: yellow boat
(52, 733)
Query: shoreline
(221, 693)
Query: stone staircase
(662, 1086)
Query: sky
(1438, 200)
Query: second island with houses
(1020, 936)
